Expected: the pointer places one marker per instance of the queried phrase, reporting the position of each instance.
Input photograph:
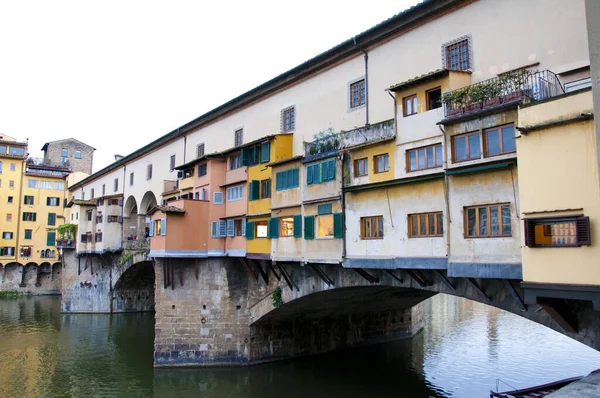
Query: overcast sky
(119, 74)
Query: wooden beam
(322, 274)
(273, 270)
(287, 278)
(370, 278)
(560, 312)
(248, 268)
(513, 292)
(445, 280)
(479, 290)
(417, 277)
(391, 273)
(260, 270)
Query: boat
(537, 391)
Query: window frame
(582, 230)
(265, 187)
(235, 160)
(362, 93)
(379, 220)
(376, 163)
(256, 225)
(291, 111)
(424, 148)
(236, 188)
(200, 148)
(428, 99)
(457, 43)
(172, 161)
(202, 170)
(238, 137)
(131, 180)
(281, 227)
(148, 173)
(467, 148)
(414, 106)
(418, 216)
(477, 223)
(500, 139)
(77, 154)
(356, 163)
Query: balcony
(507, 88)
(325, 144)
(66, 244)
(371, 134)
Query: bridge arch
(131, 207)
(134, 290)
(147, 203)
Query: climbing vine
(276, 298)
(67, 231)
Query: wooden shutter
(222, 229)
(331, 170)
(297, 226)
(265, 152)
(326, 208)
(151, 232)
(338, 230)
(324, 171)
(249, 230)
(255, 189)
(230, 228)
(529, 233)
(51, 239)
(295, 178)
(273, 228)
(163, 226)
(245, 158)
(279, 180)
(584, 237)
(309, 175)
(34, 216)
(243, 227)
(214, 229)
(309, 227)
(317, 173)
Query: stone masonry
(53, 153)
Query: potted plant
(492, 93)
(66, 234)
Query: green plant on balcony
(67, 231)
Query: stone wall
(35, 279)
(53, 153)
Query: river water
(462, 350)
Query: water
(463, 349)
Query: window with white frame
(218, 198)
(235, 193)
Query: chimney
(118, 157)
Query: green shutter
(245, 157)
(34, 216)
(47, 201)
(23, 219)
(51, 239)
(317, 173)
(254, 190)
(64, 202)
(337, 225)
(268, 188)
(295, 178)
(324, 171)
(51, 219)
(309, 175)
(279, 180)
(309, 227)
(273, 228)
(265, 152)
(249, 230)
(331, 171)
(254, 155)
(297, 226)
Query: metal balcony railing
(506, 88)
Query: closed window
(286, 226)
(235, 161)
(13, 167)
(409, 105)
(238, 137)
(103, 189)
(64, 152)
(265, 188)
(7, 235)
(131, 179)
(112, 219)
(148, 173)
(92, 193)
(382, 163)
(200, 150)
(466, 147)
(17, 151)
(98, 236)
(114, 202)
(89, 215)
(425, 158)
(202, 170)
(8, 217)
(434, 98)
(11, 184)
(371, 227)
(499, 140)
(488, 221)
(218, 198)
(116, 185)
(59, 186)
(172, 163)
(457, 55)
(571, 231)
(426, 225)
(28, 216)
(28, 200)
(77, 154)
(321, 172)
(46, 184)
(358, 95)
(28, 234)
(51, 219)
(287, 179)
(361, 167)
(235, 193)
(32, 183)
(261, 229)
(288, 119)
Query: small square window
(77, 154)
(200, 150)
(261, 229)
(382, 163)
(361, 167)
(457, 55)
(286, 226)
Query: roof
(420, 79)
(81, 202)
(352, 47)
(17, 143)
(165, 209)
(67, 139)
(284, 161)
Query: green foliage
(14, 294)
(324, 141)
(67, 231)
(126, 257)
(276, 298)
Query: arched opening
(133, 224)
(134, 291)
(30, 275)
(148, 202)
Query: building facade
(70, 153)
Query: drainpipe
(446, 193)
(184, 147)
(366, 80)
(394, 113)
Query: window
(409, 105)
(321, 172)
(52, 201)
(28, 216)
(149, 172)
(32, 183)
(11, 184)
(457, 55)
(46, 184)
(2, 149)
(116, 185)
(131, 179)
(172, 163)
(7, 251)
(13, 167)
(434, 98)
(202, 170)
(28, 200)
(487, 221)
(200, 150)
(265, 188)
(466, 147)
(288, 119)
(26, 251)
(358, 94)
(238, 227)
(51, 219)
(218, 198)
(8, 217)
(235, 161)
(286, 226)
(382, 163)
(286, 179)
(112, 219)
(83, 196)
(250, 155)
(28, 233)
(361, 167)
(265, 152)
(10, 200)
(77, 154)
(499, 140)
(103, 189)
(235, 193)
(254, 190)
(89, 215)
(371, 227)
(99, 219)
(98, 236)
(425, 225)
(59, 186)
(92, 193)
(114, 202)
(261, 229)
(17, 151)
(7, 235)
(238, 137)
(325, 225)
(64, 152)
(425, 158)
(571, 231)
(218, 229)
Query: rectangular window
(265, 152)
(112, 219)
(89, 215)
(382, 163)
(13, 167)
(200, 150)
(321, 172)
(250, 155)
(28, 200)
(114, 202)
(51, 218)
(32, 183)
(425, 158)
(116, 185)
(46, 184)
(235, 193)
(16, 151)
(3, 149)
(92, 193)
(51, 239)
(98, 236)
(77, 154)
(265, 188)
(371, 227)
(488, 221)
(425, 225)
(286, 226)
(202, 170)
(59, 186)
(361, 167)
(172, 163)
(238, 227)
(11, 184)
(261, 229)
(7, 251)
(325, 225)
(7, 235)
(64, 152)
(358, 96)
(28, 216)
(457, 55)
(148, 173)
(99, 219)
(218, 198)
(238, 137)
(434, 98)
(571, 231)
(103, 189)
(131, 179)
(410, 105)
(52, 201)
(466, 147)
(235, 161)
(499, 140)
(287, 179)
(28, 234)
(288, 119)
(26, 251)
(8, 217)
(9, 200)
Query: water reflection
(463, 348)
